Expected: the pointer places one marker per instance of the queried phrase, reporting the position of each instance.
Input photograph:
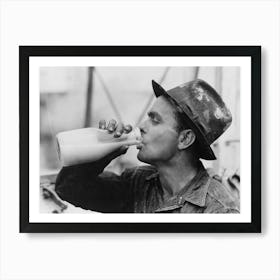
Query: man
(181, 125)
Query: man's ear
(186, 139)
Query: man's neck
(174, 176)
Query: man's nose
(142, 127)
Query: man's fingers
(112, 125)
(119, 130)
(127, 128)
(102, 124)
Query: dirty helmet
(203, 108)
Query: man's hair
(183, 123)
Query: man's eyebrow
(154, 114)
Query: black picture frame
(254, 52)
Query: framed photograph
(140, 138)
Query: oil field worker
(182, 124)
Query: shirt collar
(196, 190)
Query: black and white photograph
(127, 133)
(171, 130)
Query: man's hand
(117, 129)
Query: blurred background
(78, 97)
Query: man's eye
(155, 120)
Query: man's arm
(87, 186)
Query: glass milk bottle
(91, 144)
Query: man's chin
(141, 157)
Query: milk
(91, 144)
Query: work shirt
(138, 190)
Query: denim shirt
(138, 190)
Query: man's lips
(139, 146)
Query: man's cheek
(164, 142)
